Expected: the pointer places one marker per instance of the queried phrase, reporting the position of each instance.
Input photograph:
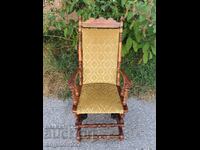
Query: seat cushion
(99, 98)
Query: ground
(59, 131)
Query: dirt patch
(148, 95)
(54, 85)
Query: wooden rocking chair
(98, 90)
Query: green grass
(58, 64)
(142, 75)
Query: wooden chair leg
(120, 120)
(78, 132)
(121, 134)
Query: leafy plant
(139, 26)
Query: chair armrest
(127, 84)
(72, 82)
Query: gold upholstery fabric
(99, 98)
(100, 50)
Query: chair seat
(99, 98)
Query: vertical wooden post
(125, 97)
(120, 120)
(119, 51)
(78, 132)
(80, 48)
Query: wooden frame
(76, 89)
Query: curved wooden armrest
(72, 82)
(127, 84)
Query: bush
(139, 26)
(139, 35)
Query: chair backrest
(100, 40)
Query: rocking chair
(98, 90)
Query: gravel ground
(59, 132)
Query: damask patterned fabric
(99, 98)
(100, 50)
